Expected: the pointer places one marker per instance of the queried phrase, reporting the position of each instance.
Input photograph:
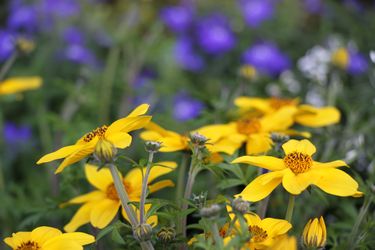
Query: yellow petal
(152, 220)
(172, 144)
(78, 237)
(275, 227)
(261, 186)
(62, 245)
(150, 135)
(92, 196)
(120, 140)
(128, 124)
(296, 183)
(100, 179)
(81, 217)
(17, 239)
(18, 84)
(248, 103)
(78, 155)
(58, 154)
(267, 162)
(280, 120)
(103, 213)
(317, 117)
(252, 219)
(140, 110)
(258, 143)
(225, 145)
(160, 185)
(304, 146)
(284, 243)
(336, 182)
(331, 164)
(71, 241)
(43, 234)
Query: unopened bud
(25, 45)
(166, 234)
(279, 138)
(143, 232)
(105, 151)
(315, 233)
(200, 199)
(210, 212)
(240, 205)
(152, 146)
(198, 139)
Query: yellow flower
(340, 58)
(296, 171)
(284, 242)
(306, 115)
(19, 84)
(117, 133)
(315, 233)
(247, 71)
(48, 238)
(101, 206)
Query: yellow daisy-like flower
(117, 134)
(315, 233)
(48, 238)
(19, 84)
(306, 115)
(264, 233)
(101, 206)
(284, 242)
(296, 171)
(340, 58)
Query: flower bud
(142, 232)
(198, 140)
(210, 212)
(240, 205)
(315, 233)
(25, 45)
(152, 146)
(200, 199)
(279, 138)
(166, 234)
(105, 151)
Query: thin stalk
(262, 207)
(142, 218)
(7, 65)
(123, 195)
(181, 179)
(289, 211)
(146, 245)
(215, 232)
(231, 225)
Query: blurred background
(189, 60)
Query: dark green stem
(289, 211)
(142, 218)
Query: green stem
(142, 218)
(217, 238)
(7, 65)
(181, 179)
(231, 225)
(289, 211)
(123, 195)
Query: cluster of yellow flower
(258, 119)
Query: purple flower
(22, 17)
(144, 78)
(60, 8)
(313, 6)
(73, 35)
(266, 58)
(357, 63)
(78, 53)
(186, 108)
(14, 134)
(186, 56)
(177, 18)
(215, 35)
(7, 44)
(256, 12)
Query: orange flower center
(277, 103)
(29, 245)
(99, 132)
(298, 162)
(258, 234)
(249, 125)
(112, 193)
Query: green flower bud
(152, 146)
(240, 205)
(198, 139)
(105, 151)
(142, 232)
(211, 212)
(166, 234)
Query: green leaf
(228, 183)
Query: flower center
(298, 162)
(249, 125)
(99, 132)
(29, 245)
(257, 233)
(277, 103)
(112, 193)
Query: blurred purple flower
(78, 53)
(14, 134)
(144, 78)
(60, 8)
(186, 56)
(256, 12)
(73, 35)
(7, 44)
(357, 63)
(266, 58)
(186, 108)
(313, 6)
(214, 34)
(177, 18)
(22, 18)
